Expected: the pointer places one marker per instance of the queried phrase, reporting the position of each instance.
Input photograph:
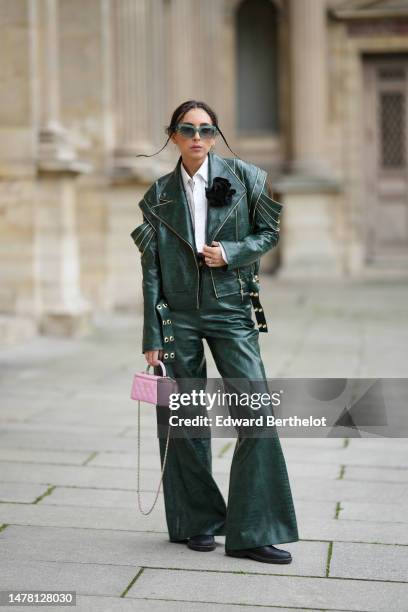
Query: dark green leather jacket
(248, 227)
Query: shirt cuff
(223, 252)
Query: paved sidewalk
(68, 511)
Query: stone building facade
(314, 91)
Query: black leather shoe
(266, 554)
(202, 543)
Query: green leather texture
(185, 304)
(247, 228)
(259, 510)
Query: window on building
(257, 68)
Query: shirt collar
(202, 171)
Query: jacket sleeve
(144, 236)
(265, 218)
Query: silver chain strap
(138, 465)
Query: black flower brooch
(220, 193)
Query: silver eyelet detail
(171, 354)
(165, 355)
(164, 322)
(166, 339)
(159, 306)
(168, 321)
(171, 338)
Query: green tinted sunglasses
(188, 130)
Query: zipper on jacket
(212, 278)
(200, 285)
(192, 250)
(227, 217)
(241, 282)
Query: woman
(195, 287)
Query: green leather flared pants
(260, 508)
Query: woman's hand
(153, 356)
(213, 256)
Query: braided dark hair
(177, 116)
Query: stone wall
(87, 86)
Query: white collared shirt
(195, 189)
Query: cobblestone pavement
(68, 511)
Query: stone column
(139, 88)
(55, 150)
(17, 176)
(60, 307)
(309, 189)
(308, 50)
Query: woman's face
(196, 148)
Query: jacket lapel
(217, 215)
(172, 205)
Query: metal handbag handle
(146, 512)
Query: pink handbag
(151, 389)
